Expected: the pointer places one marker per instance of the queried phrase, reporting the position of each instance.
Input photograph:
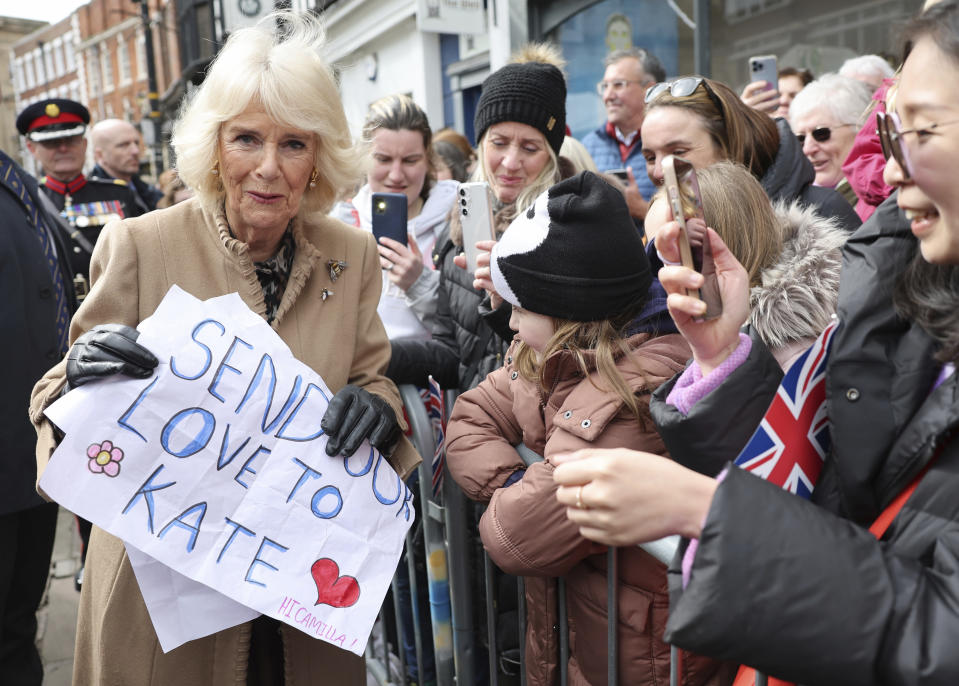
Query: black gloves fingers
(386, 432)
(108, 349)
(354, 415)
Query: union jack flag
(793, 438)
(434, 408)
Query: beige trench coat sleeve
(372, 356)
(114, 299)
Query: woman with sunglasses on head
(704, 121)
(520, 123)
(824, 116)
(816, 598)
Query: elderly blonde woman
(266, 146)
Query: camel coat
(340, 337)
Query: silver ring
(390, 268)
(579, 499)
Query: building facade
(11, 30)
(43, 64)
(98, 56)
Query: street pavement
(57, 618)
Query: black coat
(791, 175)
(28, 347)
(465, 346)
(836, 606)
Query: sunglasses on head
(683, 88)
(821, 134)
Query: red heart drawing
(331, 588)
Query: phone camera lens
(463, 202)
(465, 212)
(463, 192)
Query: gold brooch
(336, 268)
(551, 123)
(51, 110)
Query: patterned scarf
(274, 273)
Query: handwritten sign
(216, 467)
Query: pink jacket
(864, 166)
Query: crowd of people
(833, 225)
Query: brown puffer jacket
(526, 530)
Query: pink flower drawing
(105, 458)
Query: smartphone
(389, 216)
(763, 68)
(476, 217)
(686, 202)
(620, 174)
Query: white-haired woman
(265, 145)
(520, 122)
(825, 117)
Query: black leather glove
(355, 414)
(108, 349)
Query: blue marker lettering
(322, 493)
(200, 510)
(198, 442)
(308, 472)
(206, 350)
(211, 389)
(146, 490)
(257, 560)
(237, 528)
(122, 421)
(246, 466)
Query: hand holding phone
(686, 205)
(476, 218)
(389, 216)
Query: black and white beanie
(532, 93)
(574, 254)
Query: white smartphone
(685, 203)
(764, 68)
(476, 216)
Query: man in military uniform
(54, 130)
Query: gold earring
(216, 168)
(313, 178)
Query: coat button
(567, 414)
(45, 293)
(514, 375)
(852, 395)
(585, 423)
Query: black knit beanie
(532, 93)
(574, 254)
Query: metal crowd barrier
(445, 539)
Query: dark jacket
(838, 606)
(791, 175)
(29, 347)
(465, 346)
(147, 196)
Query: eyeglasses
(821, 134)
(891, 135)
(683, 88)
(616, 85)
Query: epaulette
(116, 182)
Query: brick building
(11, 30)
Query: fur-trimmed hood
(798, 294)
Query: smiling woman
(833, 605)
(265, 144)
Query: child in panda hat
(575, 271)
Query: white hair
(276, 65)
(869, 67)
(845, 98)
